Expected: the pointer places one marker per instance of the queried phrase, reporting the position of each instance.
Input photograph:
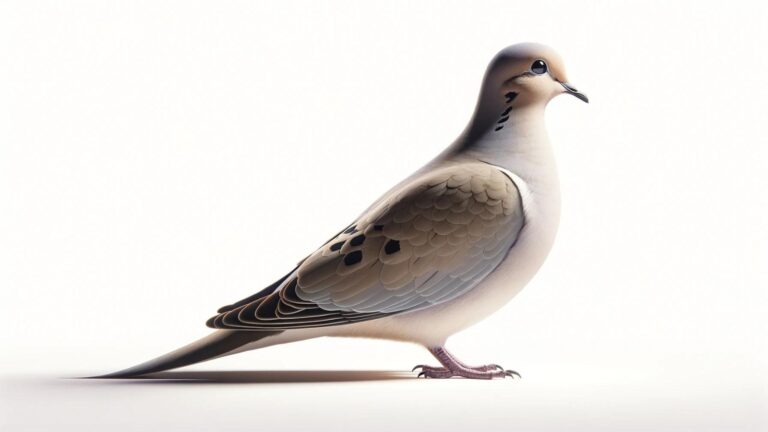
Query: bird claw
(488, 371)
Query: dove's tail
(217, 344)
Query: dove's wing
(427, 243)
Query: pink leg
(453, 367)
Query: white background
(161, 159)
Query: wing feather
(423, 244)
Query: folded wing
(427, 243)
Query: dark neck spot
(505, 114)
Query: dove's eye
(539, 67)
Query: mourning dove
(441, 250)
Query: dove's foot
(452, 367)
(480, 372)
(484, 368)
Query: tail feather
(217, 344)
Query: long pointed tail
(217, 344)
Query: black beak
(572, 90)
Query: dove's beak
(572, 91)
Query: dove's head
(518, 84)
(526, 74)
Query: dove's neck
(520, 146)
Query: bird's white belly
(432, 326)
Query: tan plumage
(441, 250)
(426, 243)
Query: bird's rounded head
(528, 73)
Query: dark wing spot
(506, 111)
(337, 246)
(499, 128)
(353, 258)
(503, 119)
(391, 247)
(350, 230)
(357, 241)
(378, 227)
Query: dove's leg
(453, 367)
(483, 368)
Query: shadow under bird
(441, 250)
